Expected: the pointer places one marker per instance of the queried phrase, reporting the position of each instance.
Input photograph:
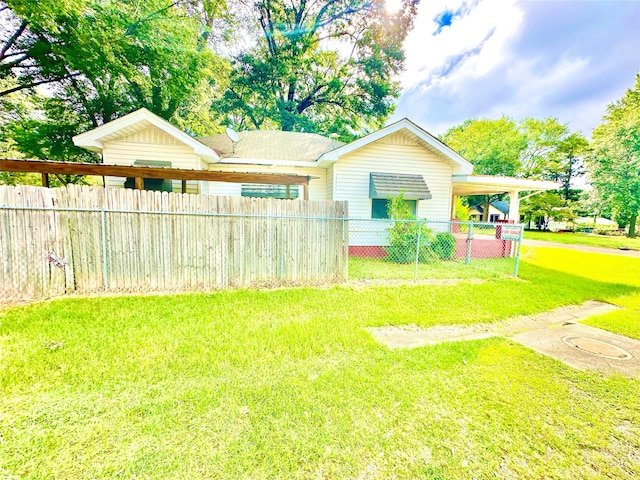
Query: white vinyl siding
(393, 154)
(151, 144)
(330, 172)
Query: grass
(584, 239)
(607, 268)
(361, 268)
(288, 384)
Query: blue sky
(541, 58)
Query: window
(494, 217)
(155, 184)
(379, 207)
(269, 191)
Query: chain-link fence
(50, 251)
(420, 250)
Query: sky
(566, 59)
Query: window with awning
(390, 185)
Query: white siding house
(394, 154)
(402, 152)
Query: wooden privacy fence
(91, 239)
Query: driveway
(583, 248)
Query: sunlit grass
(595, 266)
(288, 384)
(379, 268)
(584, 239)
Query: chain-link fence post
(105, 265)
(467, 260)
(415, 269)
(515, 270)
(345, 247)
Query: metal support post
(282, 248)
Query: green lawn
(288, 384)
(379, 268)
(608, 268)
(584, 239)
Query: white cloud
(560, 59)
(480, 35)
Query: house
(399, 158)
(582, 224)
(498, 210)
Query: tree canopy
(530, 148)
(614, 159)
(319, 66)
(98, 61)
(325, 66)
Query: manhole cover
(598, 348)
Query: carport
(491, 185)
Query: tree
(102, 60)
(325, 66)
(566, 164)
(614, 159)
(544, 207)
(492, 146)
(542, 139)
(530, 148)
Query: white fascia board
(404, 124)
(91, 139)
(267, 163)
(329, 157)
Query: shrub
(444, 245)
(605, 230)
(404, 235)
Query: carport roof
(489, 185)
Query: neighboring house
(399, 158)
(585, 222)
(498, 210)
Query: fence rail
(90, 240)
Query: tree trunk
(486, 205)
(632, 227)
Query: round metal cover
(597, 347)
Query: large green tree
(530, 148)
(567, 163)
(324, 66)
(493, 147)
(100, 60)
(614, 160)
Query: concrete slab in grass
(552, 333)
(586, 348)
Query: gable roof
(499, 205)
(135, 122)
(420, 136)
(271, 145)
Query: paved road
(583, 248)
